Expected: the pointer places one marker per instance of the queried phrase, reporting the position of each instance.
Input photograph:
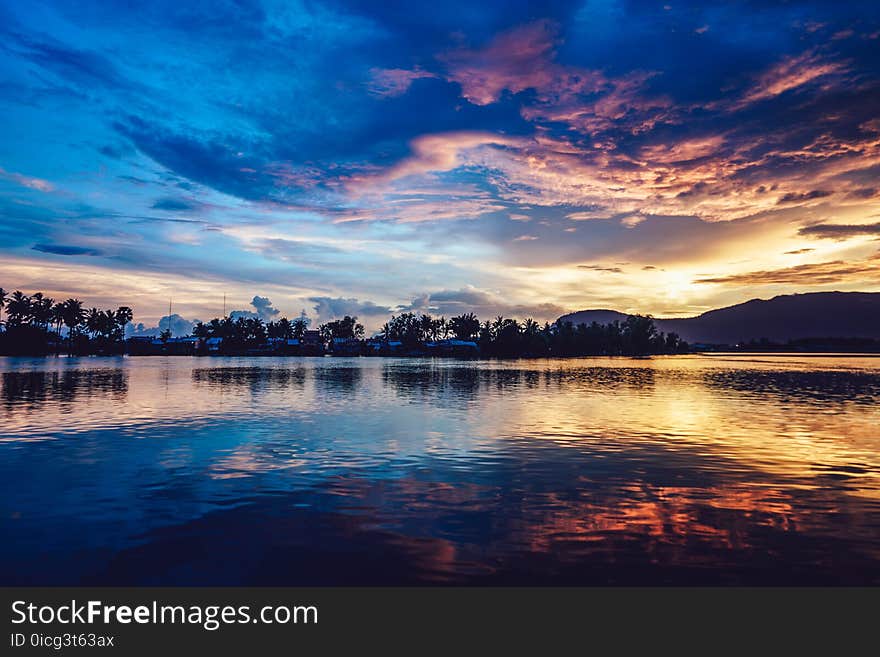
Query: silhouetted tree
(72, 316)
(18, 309)
(34, 322)
(639, 333)
(123, 316)
(346, 328)
(465, 327)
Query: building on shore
(452, 347)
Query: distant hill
(782, 318)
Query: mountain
(782, 318)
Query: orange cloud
(840, 231)
(788, 74)
(442, 152)
(819, 273)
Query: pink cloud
(788, 74)
(27, 181)
(524, 59)
(514, 61)
(390, 82)
(442, 152)
(683, 151)
(620, 103)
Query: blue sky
(368, 158)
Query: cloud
(203, 158)
(812, 274)
(684, 150)
(839, 231)
(483, 303)
(795, 197)
(443, 152)
(517, 60)
(788, 74)
(117, 151)
(82, 66)
(406, 140)
(30, 182)
(67, 249)
(390, 82)
(585, 216)
(601, 268)
(263, 310)
(619, 105)
(328, 308)
(524, 58)
(175, 204)
(862, 193)
(179, 327)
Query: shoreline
(799, 354)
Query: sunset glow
(367, 159)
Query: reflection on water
(33, 388)
(254, 378)
(696, 469)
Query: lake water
(753, 469)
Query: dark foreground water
(684, 470)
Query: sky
(365, 158)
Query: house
(452, 347)
(153, 346)
(312, 338)
(346, 346)
(187, 346)
(380, 347)
(214, 345)
(312, 344)
(140, 345)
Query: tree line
(637, 335)
(251, 332)
(34, 324)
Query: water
(739, 469)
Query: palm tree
(464, 327)
(123, 316)
(41, 310)
(2, 304)
(18, 309)
(108, 323)
(93, 321)
(57, 310)
(497, 327)
(57, 320)
(72, 314)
